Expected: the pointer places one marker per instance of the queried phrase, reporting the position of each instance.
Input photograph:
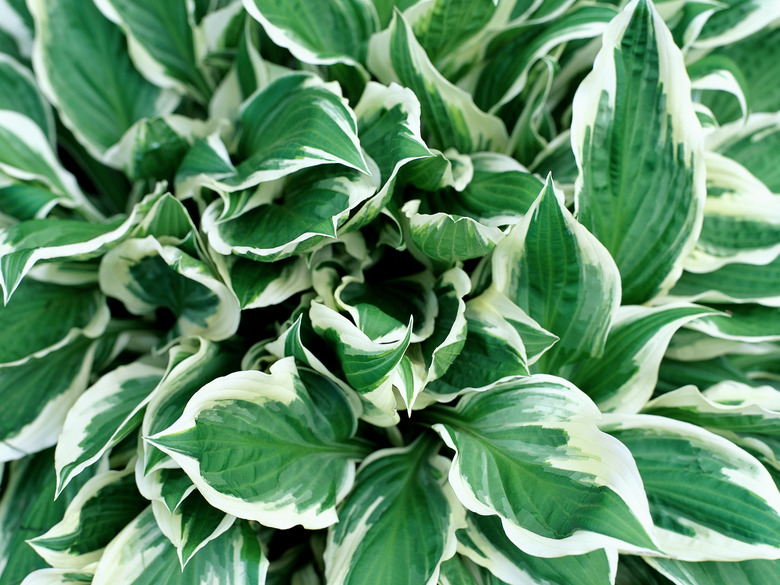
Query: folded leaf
(624, 378)
(637, 142)
(574, 491)
(264, 472)
(23, 96)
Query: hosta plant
(426, 292)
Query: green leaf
(37, 394)
(67, 311)
(511, 54)
(710, 500)
(25, 244)
(747, 323)
(398, 495)
(102, 416)
(191, 525)
(735, 20)
(146, 275)
(574, 491)
(755, 572)
(485, 543)
(306, 418)
(27, 509)
(309, 208)
(23, 96)
(318, 31)
(263, 284)
(624, 378)
(141, 555)
(461, 571)
(98, 103)
(637, 142)
(368, 366)
(163, 42)
(101, 508)
(740, 225)
(726, 406)
(561, 276)
(448, 113)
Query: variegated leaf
(638, 147)
(37, 394)
(141, 555)
(23, 95)
(577, 490)
(68, 312)
(111, 94)
(710, 500)
(485, 543)
(451, 118)
(735, 20)
(163, 41)
(755, 572)
(338, 33)
(103, 415)
(624, 378)
(146, 275)
(746, 323)
(100, 509)
(561, 276)
(306, 418)
(398, 495)
(263, 284)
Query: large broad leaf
(101, 508)
(637, 142)
(748, 323)
(98, 103)
(146, 275)
(37, 395)
(141, 555)
(262, 284)
(44, 317)
(485, 543)
(449, 114)
(163, 41)
(318, 31)
(623, 379)
(292, 469)
(399, 495)
(758, 572)
(574, 491)
(710, 500)
(295, 122)
(27, 510)
(102, 416)
(559, 274)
